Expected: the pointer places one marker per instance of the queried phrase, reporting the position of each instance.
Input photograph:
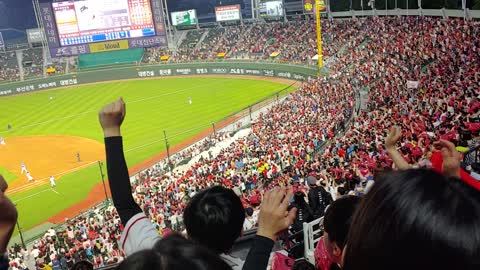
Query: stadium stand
(9, 67)
(421, 74)
(33, 62)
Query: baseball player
(2, 141)
(29, 177)
(24, 168)
(52, 182)
(190, 100)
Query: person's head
(249, 212)
(312, 181)
(416, 219)
(298, 198)
(172, 253)
(476, 167)
(3, 184)
(214, 218)
(82, 265)
(336, 223)
(303, 264)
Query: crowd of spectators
(442, 104)
(92, 237)
(33, 62)
(421, 74)
(9, 67)
(295, 41)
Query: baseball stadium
(239, 134)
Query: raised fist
(111, 118)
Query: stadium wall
(288, 71)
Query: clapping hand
(393, 137)
(274, 216)
(451, 158)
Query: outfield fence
(240, 68)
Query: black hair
(299, 198)
(338, 219)
(83, 265)
(249, 211)
(303, 264)
(172, 253)
(476, 167)
(214, 218)
(416, 220)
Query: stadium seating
(33, 62)
(8, 66)
(406, 68)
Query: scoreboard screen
(187, 17)
(87, 21)
(271, 8)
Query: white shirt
(35, 252)
(248, 224)
(139, 234)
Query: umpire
(318, 197)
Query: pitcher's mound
(45, 156)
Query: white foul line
(43, 180)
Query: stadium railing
(471, 156)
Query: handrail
(471, 156)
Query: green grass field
(7, 175)
(152, 106)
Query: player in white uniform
(52, 182)
(29, 177)
(190, 100)
(2, 141)
(24, 168)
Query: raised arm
(390, 141)
(139, 232)
(111, 118)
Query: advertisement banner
(187, 17)
(48, 19)
(219, 70)
(413, 84)
(268, 72)
(183, 71)
(308, 6)
(35, 35)
(145, 72)
(157, 12)
(56, 52)
(227, 13)
(147, 42)
(165, 72)
(108, 46)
